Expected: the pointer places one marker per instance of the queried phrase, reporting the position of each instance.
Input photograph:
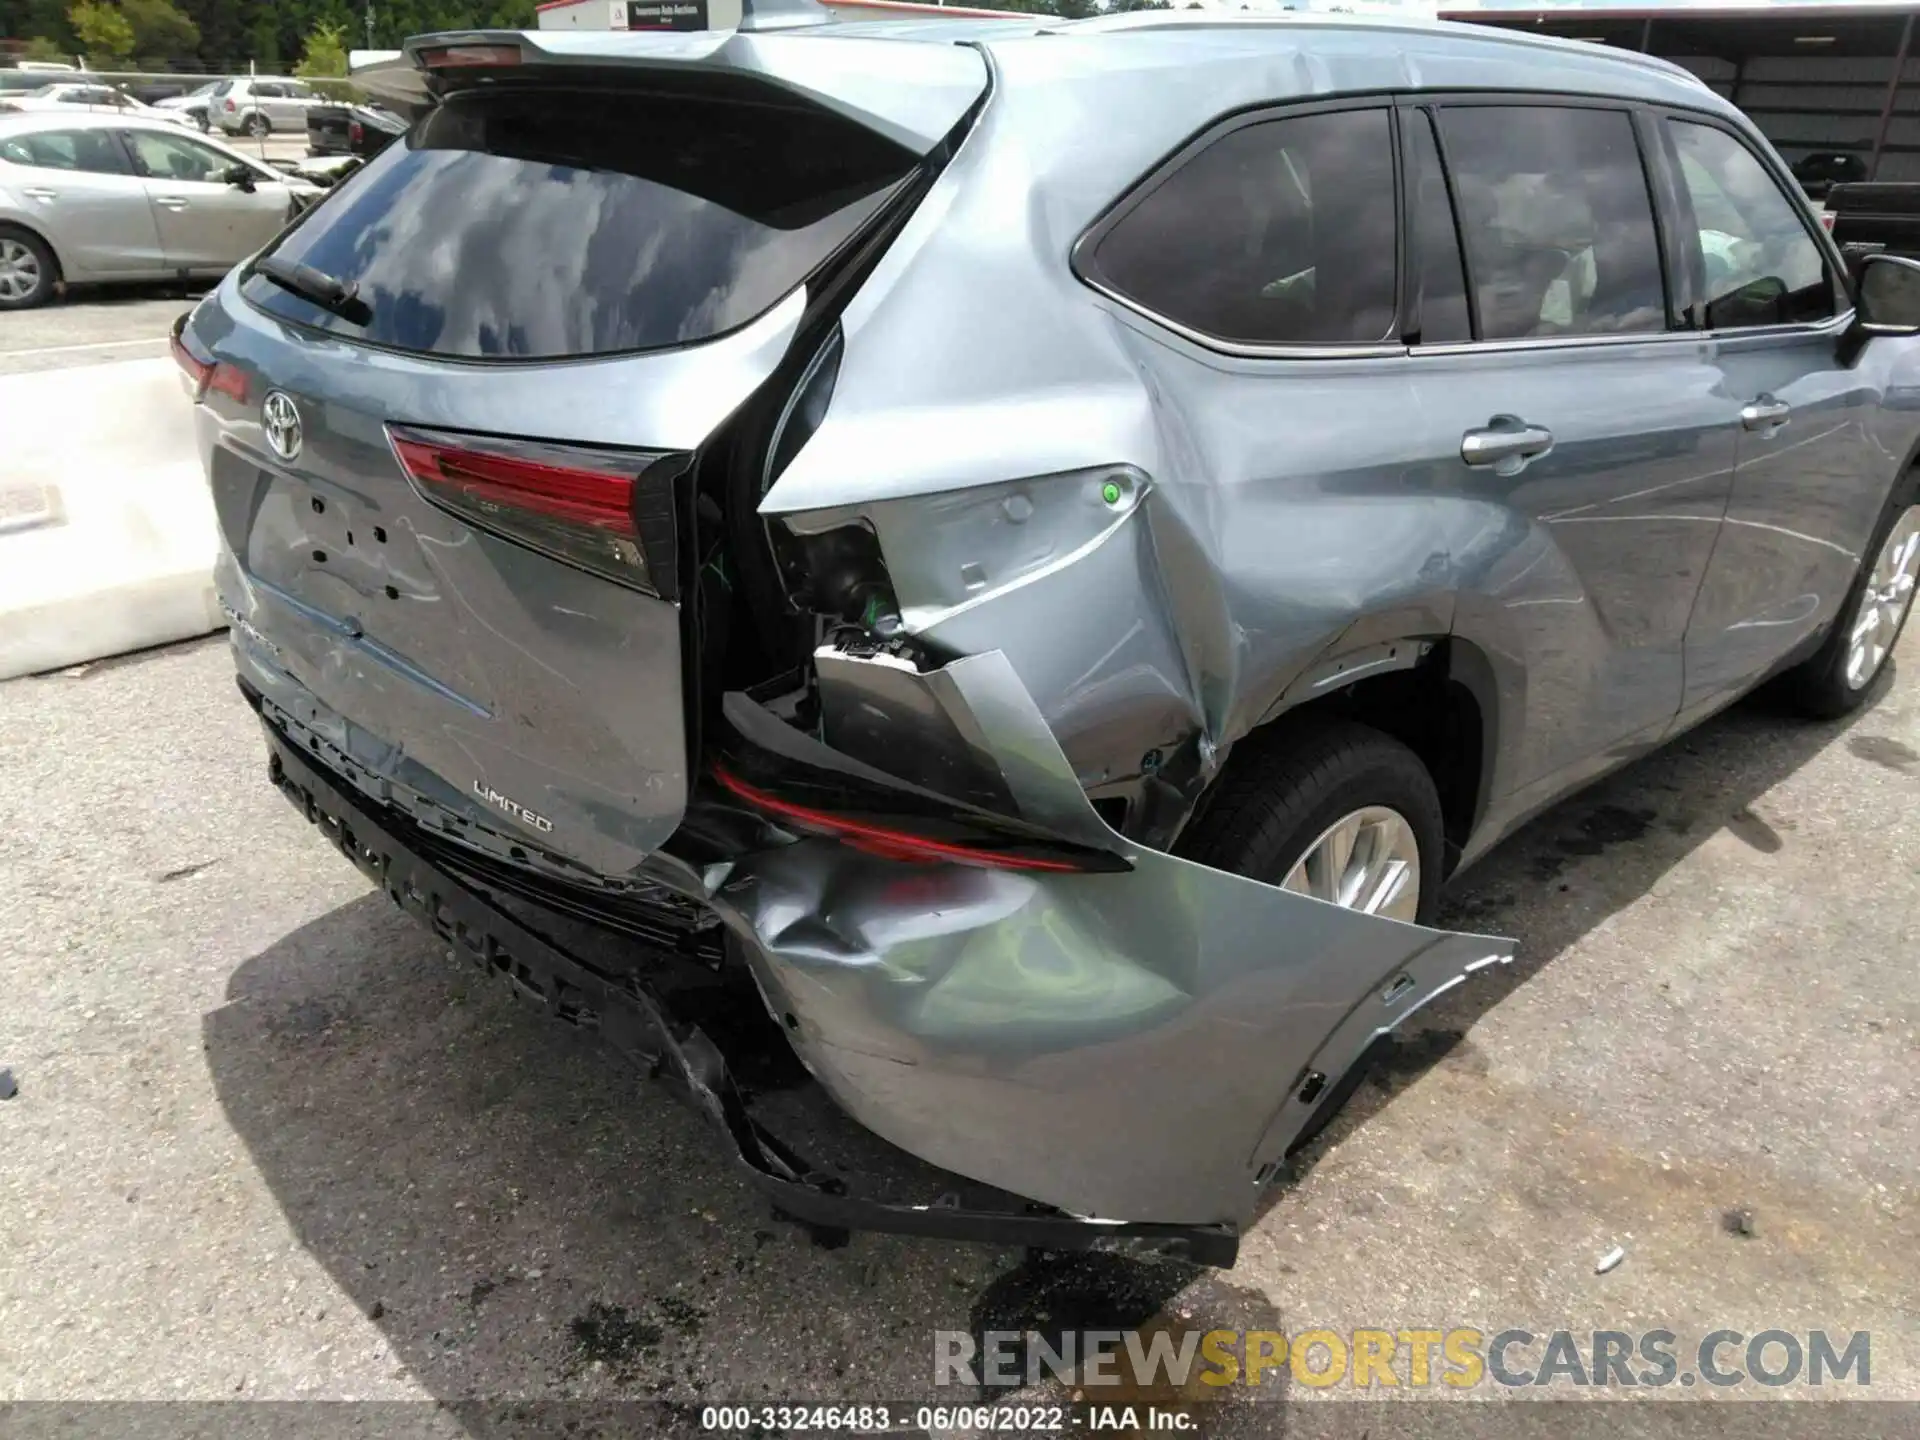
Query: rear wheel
(1332, 809)
(27, 270)
(258, 125)
(1840, 677)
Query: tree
(325, 54)
(162, 35)
(103, 32)
(41, 48)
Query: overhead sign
(666, 14)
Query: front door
(205, 222)
(1811, 477)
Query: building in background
(1835, 86)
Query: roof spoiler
(910, 92)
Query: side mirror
(1887, 297)
(241, 177)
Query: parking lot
(270, 1143)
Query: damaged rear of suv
(720, 491)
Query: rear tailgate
(455, 504)
(327, 126)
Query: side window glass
(1438, 272)
(99, 153)
(1557, 220)
(1761, 265)
(1277, 233)
(168, 157)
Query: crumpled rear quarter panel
(1126, 1046)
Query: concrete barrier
(107, 532)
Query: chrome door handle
(38, 194)
(1506, 445)
(1765, 413)
(171, 202)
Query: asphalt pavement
(269, 1142)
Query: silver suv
(252, 105)
(1027, 552)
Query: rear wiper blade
(316, 287)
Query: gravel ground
(269, 1143)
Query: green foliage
(103, 33)
(162, 35)
(41, 48)
(325, 55)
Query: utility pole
(369, 25)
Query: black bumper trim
(636, 1025)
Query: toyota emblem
(280, 417)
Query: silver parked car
(94, 197)
(1029, 551)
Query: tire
(1283, 789)
(206, 125)
(28, 270)
(1828, 685)
(259, 126)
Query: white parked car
(94, 197)
(257, 105)
(193, 104)
(68, 95)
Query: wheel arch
(1435, 693)
(53, 248)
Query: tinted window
(1760, 265)
(1559, 228)
(221, 87)
(537, 223)
(174, 157)
(94, 151)
(1280, 232)
(1441, 279)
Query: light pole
(369, 27)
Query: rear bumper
(1123, 1057)
(635, 1023)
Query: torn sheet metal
(1129, 1046)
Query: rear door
(205, 222)
(454, 506)
(78, 185)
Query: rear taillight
(607, 511)
(890, 842)
(204, 376)
(1826, 220)
(230, 105)
(356, 132)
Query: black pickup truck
(362, 130)
(1870, 216)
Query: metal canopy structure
(1843, 76)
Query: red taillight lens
(205, 375)
(887, 842)
(356, 132)
(1826, 220)
(453, 57)
(230, 105)
(604, 511)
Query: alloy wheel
(1368, 860)
(1885, 601)
(19, 270)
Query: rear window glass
(535, 224)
